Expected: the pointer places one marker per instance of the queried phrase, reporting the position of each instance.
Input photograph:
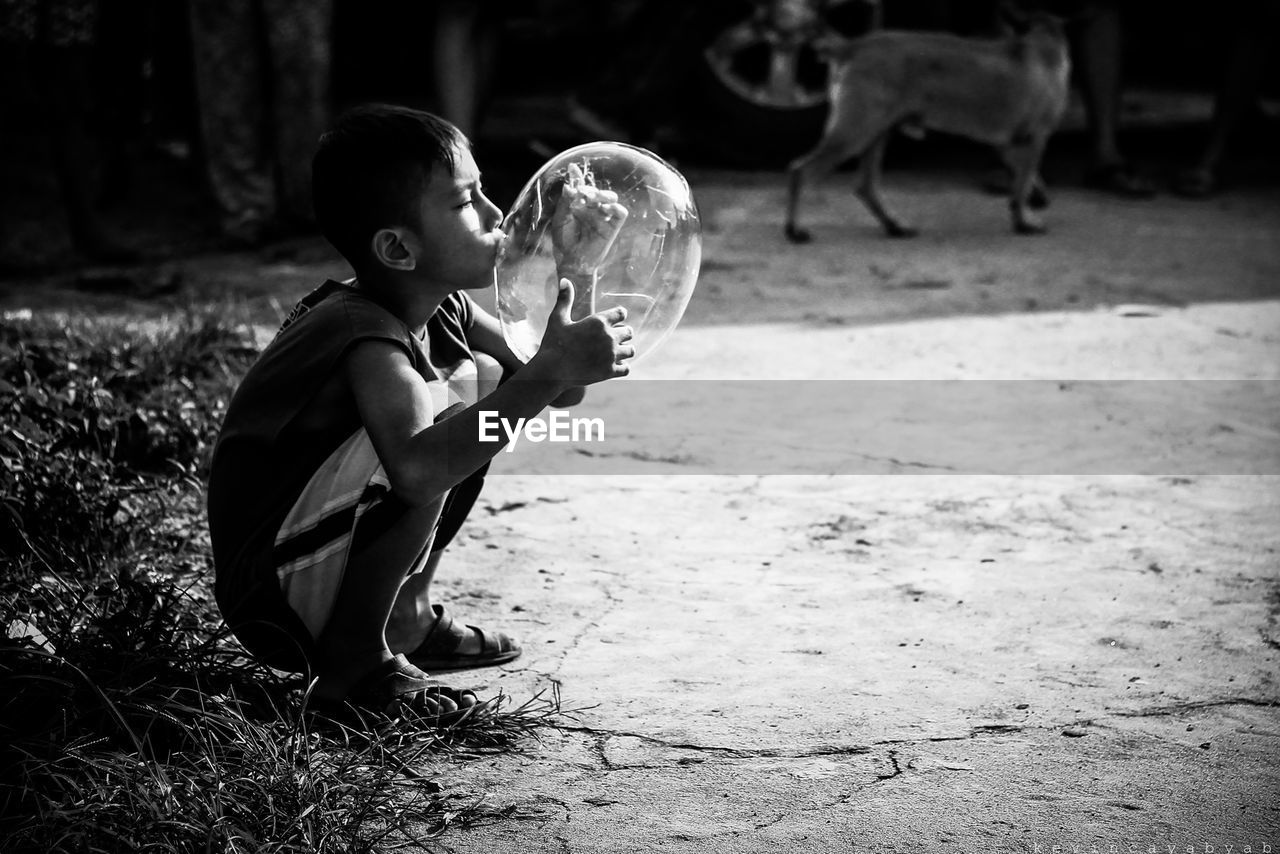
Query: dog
(1009, 92)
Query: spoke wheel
(768, 69)
(764, 81)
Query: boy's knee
(395, 518)
(488, 373)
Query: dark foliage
(129, 721)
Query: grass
(129, 719)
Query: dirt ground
(845, 632)
(906, 658)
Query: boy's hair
(370, 170)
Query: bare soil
(915, 654)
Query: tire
(764, 86)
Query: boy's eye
(466, 203)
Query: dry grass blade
(500, 729)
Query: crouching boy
(349, 455)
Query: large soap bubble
(612, 210)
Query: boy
(350, 454)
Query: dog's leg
(817, 163)
(1038, 199)
(796, 174)
(1023, 157)
(869, 188)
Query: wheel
(763, 80)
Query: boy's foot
(442, 648)
(397, 687)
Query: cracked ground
(799, 608)
(755, 692)
(958, 631)
(1077, 647)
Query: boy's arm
(485, 335)
(424, 459)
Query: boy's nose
(493, 214)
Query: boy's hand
(584, 224)
(586, 351)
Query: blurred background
(140, 130)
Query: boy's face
(457, 236)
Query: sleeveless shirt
(265, 453)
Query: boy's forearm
(450, 450)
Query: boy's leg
(413, 618)
(356, 565)
(412, 615)
(425, 631)
(340, 557)
(389, 544)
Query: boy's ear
(392, 251)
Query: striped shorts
(346, 505)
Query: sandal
(395, 689)
(439, 649)
(1121, 179)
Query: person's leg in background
(299, 46)
(120, 71)
(65, 80)
(1098, 40)
(228, 54)
(464, 58)
(1257, 23)
(55, 44)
